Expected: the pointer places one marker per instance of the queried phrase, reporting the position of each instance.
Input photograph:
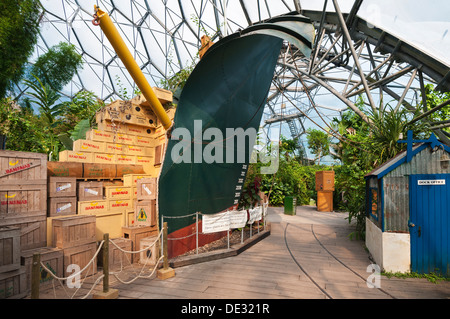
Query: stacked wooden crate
(145, 204)
(75, 235)
(23, 212)
(128, 133)
(106, 164)
(325, 189)
(62, 196)
(12, 275)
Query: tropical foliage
(19, 29)
(57, 66)
(357, 145)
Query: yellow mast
(107, 26)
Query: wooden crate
(136, 233)
(159, 154)
(100, 136)
(99, 170)
(131, 179)
(144, 111)
(118, 192)
(116, 256)
(32, 229)
(159, 133)
(80, 255)
(325, 181)
(152, 170)
(111, 127)
(126, 118)
(145, 213)
(152, 254)
(88, 146)
(128, 218)
(9, 248)
(119, 205)
(22, 200)
(164, 96)
(146, 162)
(146, 188)
(51, 257)
(139, 150)
(113, 182)
(145, 141)
(110, 222)
(13, 284)
(171, 113)
(89, 191)
(142, 121)
(49, 226)
(79, 157)
(125, 139)
(65, 169)
(125, 169)
(115, 148)
(73, 231)
(139, 130)
(62, 206)
(92, 207)
(325, 201)
(22, 166)
(62, 186)
(125, 159)
(101, 158)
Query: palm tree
(43, 96)
(387, 128)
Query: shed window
(373, 195)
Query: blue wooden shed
(408, 209)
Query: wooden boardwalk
(307, 256)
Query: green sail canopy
(219, 109)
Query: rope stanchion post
(196, 233)
(35, 276)
(166, 272)
(107, 293)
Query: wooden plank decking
(327, 265)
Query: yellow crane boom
(108, 28)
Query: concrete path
(306, 256)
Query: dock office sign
(430, 182)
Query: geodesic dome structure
(383, 51)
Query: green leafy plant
(318, 143)
(250, 194)
(176, 82)
(43, 96)
(435, 98)
(57, 66)
(19, 30)
(431, 277)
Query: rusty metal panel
(425, 162)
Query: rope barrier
(78, 273)
(137, 251)
(115, 274)
(139, 276)
(184, 216)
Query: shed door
(430, 223)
